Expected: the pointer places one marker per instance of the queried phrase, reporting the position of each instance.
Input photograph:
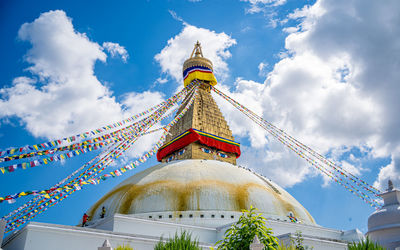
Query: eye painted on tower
(172, 157)
(181, 152)
(222, 155)
(206, 150)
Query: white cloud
(389, 172)
(270, 10)
(262, 69)
(133, 102)
(115, 49)
(358, 41)
(161, 80)
(215, 47)
(176, 17)
(335, 87)
(67, 98)
(257, 6)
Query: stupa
(196, 187)
(384, 223)
(198, 179)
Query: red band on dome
(194, 135)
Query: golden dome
(198, 67)
(198, 59)
(199, 186)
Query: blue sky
(324, 71)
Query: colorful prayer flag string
(338, 174)
(50, 201)
(175, 98)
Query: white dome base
(199, 186)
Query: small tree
(365, 244)
(241, 234)
(298, 242)
(182, 242)
(284, 247)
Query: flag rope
(177, 97)
(22, 219)
(339, 174)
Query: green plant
(295, 243)
(284, 247)
(241, 234)
(179, 242)
(123, 247)
(298, 242)
(365, 244)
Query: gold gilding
(197, 59)
(224, 188)
(204, 115)
(186, 196)
(178, 194)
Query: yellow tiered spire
(205, 118)
(198, 67)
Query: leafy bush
(284, 247)
(296, 243)
(182, 242)
(241, 234)
(123, 247)
(365, 244)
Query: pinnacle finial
(106, 243)
(197, 50)
(390, 185)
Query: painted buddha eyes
(173, 156)
(206, 150)
(210, 151)
(220, 154)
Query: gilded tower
(214, 139)
(198, 182)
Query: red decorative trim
(193, 136)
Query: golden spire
(197, 50)
(204, 116)
(198, 67)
